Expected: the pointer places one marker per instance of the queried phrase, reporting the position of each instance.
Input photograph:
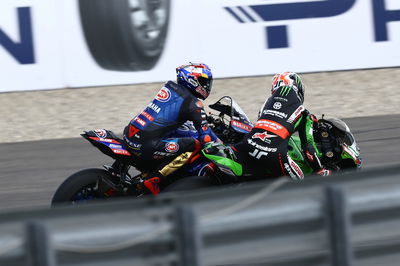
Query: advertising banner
(30, 55)
(67, 43)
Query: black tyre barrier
(125, 35)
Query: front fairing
(350, 156)
(224, 158)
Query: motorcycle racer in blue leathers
(148, 135)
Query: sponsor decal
(281, 99)
(115, 146)
(258, 154)
(101, 133)
(147, 116)
(122, 152)
(275, 113)
(272, 126)
(297, 113)
(285, 91)
(163, 95)
(132, 131)
(104, 140)
(260, 147)
(277, 105)
(287, 167)
(297, 169)
(162, 154)
(264, 136)
(132, 145)
(172, 147)
(140, 121)
(241, 125)
(154, 107)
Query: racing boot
(153, 184)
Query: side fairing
(296, 154)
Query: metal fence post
(339, 226)
(40, 251)
(189, 239)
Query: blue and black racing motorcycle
(125, 176)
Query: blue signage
(22, 51)
(277, 35)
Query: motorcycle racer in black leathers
(148, 135)
(264, 151)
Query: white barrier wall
(66, 43)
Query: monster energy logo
(285, 91)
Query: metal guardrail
(347, 220)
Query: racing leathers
(149, 135)
(264, 151)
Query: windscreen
(237, 109)
(229, 107)
(342, 131)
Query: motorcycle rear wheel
(81, 187)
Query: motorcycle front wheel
(81, 187)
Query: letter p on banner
(382, 17)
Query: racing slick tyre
(125, 35)
(80, 187)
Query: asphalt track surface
(30, 172)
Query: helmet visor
(206, 83)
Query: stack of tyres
(125, 35)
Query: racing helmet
(197, 78)
(289, 79)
